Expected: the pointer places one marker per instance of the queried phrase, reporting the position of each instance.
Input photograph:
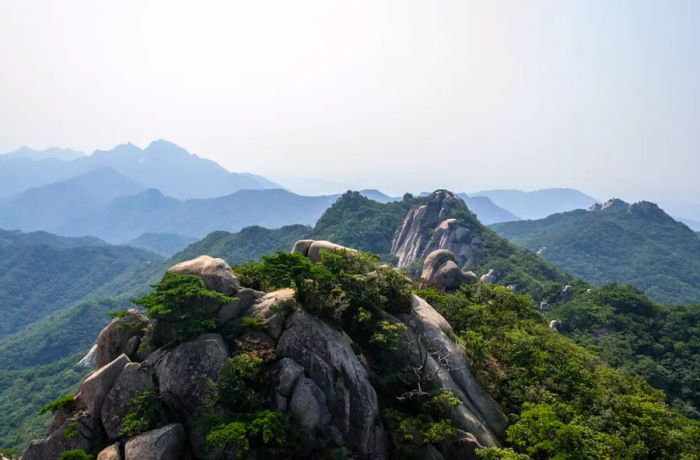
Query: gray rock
(302, 247)
(89, 361)
(565, 294)
(272, 309)
(56, 443)
(429, 452)
(122, 335)
(95, 387)
(308, 408)
(184, 372)
(314, 252)
(440, 270)
(328, 359)
(132, 380)
(110, 453)
(555, 324)
(490, 277)
(184, 375)
(216, 273)
(167, 443)
(231, 311)
(287, 372)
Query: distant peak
(615, 204)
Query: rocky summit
(253, 367)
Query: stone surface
(302, 247)
(272, 309)
(314, 252)
(478, 414)
(166, 443)
(118, 337)
(566, 293)
(90, 359)
(490, 277)
(110, 453)
(216, 273)
(428, 227)
(56, 442)
(95, 387)
(555, 324)
(287, 372)
(231, 311)
(440, 270)
(328, 359)
(308, 408)
(132, 380)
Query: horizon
(460, 95)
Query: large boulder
(121, 336)
(314, 251)
(491, 277)
(97, 385)
(440, 270)
(302, 247)
(245, 297)
(110, 453)
(184, 377)
(328, 359)
(166, 443)
(272, 309)
(308, 408)
(428, 227)
(479, 414)
(216, 273)
(132, 380)
(49, 448)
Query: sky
(405, 95)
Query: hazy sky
(400, 95)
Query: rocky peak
(441, 221)
(319, 378)
(643, 209)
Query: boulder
(97, 385)
(122, 335)
(184, 373)
(184, 376)
(49, 448)
(479, 413)
(555, 324)
(490, 277)
(272, 309)
(302, 247)
(166, 443)
(110, 453)
(132, 380)
(245, 297)
(314, 252)
(89, 361)
(216, 273)
(440, 270)
(328, 359)
(565, 294)
(308, 408)
(287, 372)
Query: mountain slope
(165, 244)
(539, 203)
(618, 242)
(41, 274)
(486, 210)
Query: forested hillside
(617, 242)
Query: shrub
(71, 431)
(75, 454)
(65, 403)
(143, 415)
(388, 334)
(260, 429)
(183, 302)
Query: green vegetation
(41, 274)
(64, 403)
(563, 401)
(181, 302)
(630, 332)
(144, 413)
(245, 246)
(614, 245)
(75, 454)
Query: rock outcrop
(216, 273)
(312, 248)
(441, 271)
(431, 226)
(122, 336)
(319, 376)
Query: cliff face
(320, 377)
(431, 226)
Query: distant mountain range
(539, 203)
(162, 165)
(618, 242)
